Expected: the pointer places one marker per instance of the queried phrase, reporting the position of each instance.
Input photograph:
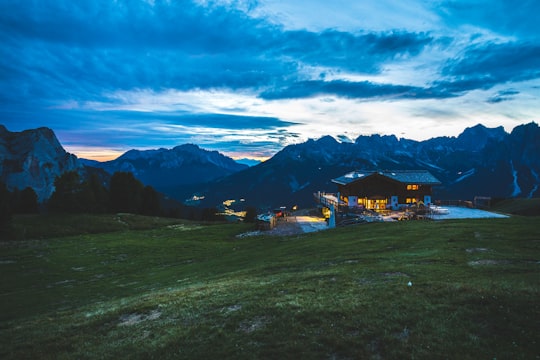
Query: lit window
(412, 187)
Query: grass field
(530, 207)
(164, 289)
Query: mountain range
(167, 169)
(480, 161)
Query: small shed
(266, 221)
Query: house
(380, 190)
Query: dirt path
(300, 222)
(286, 226)
(292, 225)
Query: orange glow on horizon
(101, 155)
(249, 157)
(97, 154)
(98, 157)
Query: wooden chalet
(380, 190)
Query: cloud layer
(248, 77)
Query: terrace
(346, 214)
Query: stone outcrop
(33, 158)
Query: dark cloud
(506, 17)
(352, 90)
(135, 24)
(503, 95)
(78, 50)
(81, 49)
(362, 53)
(484, 66)
(234, 122)
(500, 62)
(62, 50)
(136, 119)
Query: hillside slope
(191, 291)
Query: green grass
(527, 207)
(28, 227)
(192, 291)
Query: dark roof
(420, 177)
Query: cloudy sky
(248, 77)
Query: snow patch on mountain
(433, 166)
(404, 153)
(535, 187)
(517, 189)
(295, 185)
(465, 175)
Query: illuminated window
(410, 200)
(412, 187)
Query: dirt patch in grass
(136, 318)
(490, 262)
(183, 227)
(284, 227)
(383, 277)
(250, 233)
(249, 326)
(232, 308)
(395, 274)
(403, 335)
(475, 250)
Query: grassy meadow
(123, 286)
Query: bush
(5, 207)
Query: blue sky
(248, 77)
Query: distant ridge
(168, 168)
(248, 162)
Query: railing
(326, 199)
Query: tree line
(124, 194)
(72, 194)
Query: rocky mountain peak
(33, 158)
(475, 138)
(134, 154)
(188, 148)
(327, 141)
